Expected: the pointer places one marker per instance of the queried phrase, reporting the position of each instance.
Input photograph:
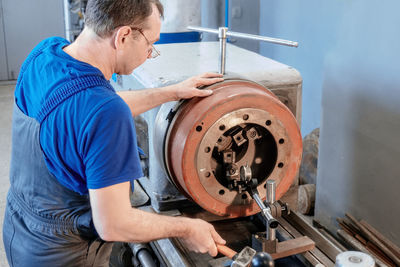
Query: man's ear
(121, 36)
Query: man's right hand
(201, 237)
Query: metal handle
(223, 33)
(266, 212)
(226, 251)
(246, 36)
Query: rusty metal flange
(243, 120)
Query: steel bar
(383, 239)
(331, 239)
(374, 240)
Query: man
(74, 147)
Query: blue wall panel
(314, 24)
(349, 58)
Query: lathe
(228, 158)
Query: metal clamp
(223, 33)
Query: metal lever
(245, 175)
(223, 33)
(265, 211)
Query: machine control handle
(223, 33)
(246, 36)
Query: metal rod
(271, 190)
(67, 21)
(262, 38)
(222, 49)
(247, 36)
(202, 29)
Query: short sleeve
(109, 147)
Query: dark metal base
(171, 203)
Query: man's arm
(140, 101)
(116, 220)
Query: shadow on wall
(375, 172)
(359, 170)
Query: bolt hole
(222, 127)
(281, 141)
(245, 117)
(207, 174)
(280, 165)
(268, 122)
(238, 138)
(221, 192)
(207, 149)
(219, 140)
(199, 128)
(244, 196)
(265, 185)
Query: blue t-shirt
(89, 140)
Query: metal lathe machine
(231, 158)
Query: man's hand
(201, 237)
(190, 87)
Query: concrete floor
(6, 104)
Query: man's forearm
(116, 220)
(140, 101)
(143, 100)
(141, 226)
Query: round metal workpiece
(210, 139)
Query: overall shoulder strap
(67, 90)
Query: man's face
(139, 45)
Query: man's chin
(125, 72)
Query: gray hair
(104, 16)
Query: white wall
(26, 23)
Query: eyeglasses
(152, 52)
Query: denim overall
(45, 223)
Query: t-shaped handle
(223, 33)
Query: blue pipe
(226, 13)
